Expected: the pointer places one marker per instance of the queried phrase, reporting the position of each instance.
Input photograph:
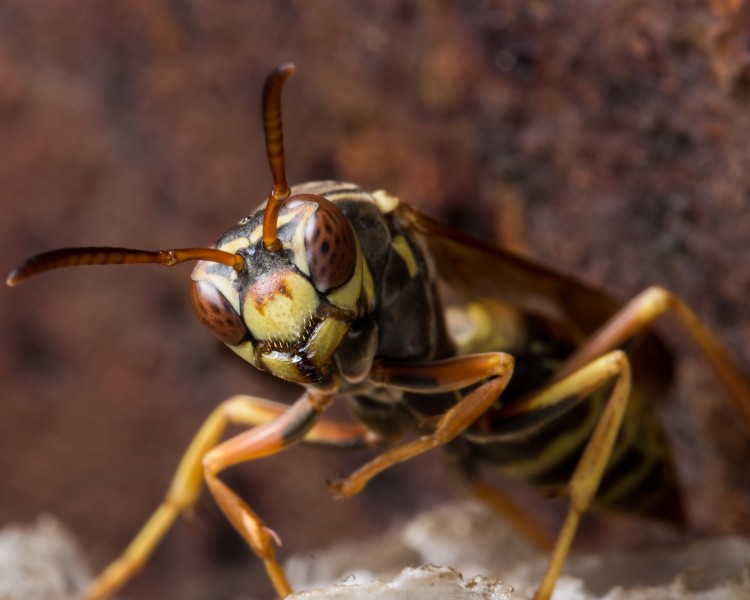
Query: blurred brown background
(608, 139)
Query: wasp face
(286, 311)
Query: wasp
(433, 339)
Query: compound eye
(330, 246)
(216, 313)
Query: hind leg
(639, 314)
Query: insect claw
(274, 536)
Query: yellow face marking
(234, 246)
(303, 211)
(285, 216)
(325, 340)
(347, 295)
(299, 252)
(401, 246)
(246, 351)
(280, 365)
(278, 306)
(222, 282)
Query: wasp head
(287, 310)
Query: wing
(473, 269)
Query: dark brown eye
(331, 247)
(216, 313)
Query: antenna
(275, 150)
(74, 257)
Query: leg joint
(658, 299)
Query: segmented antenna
(275, 150)
(74, 257)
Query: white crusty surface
(479, 547)
(454, 552)
(40, 562)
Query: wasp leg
(588, 473)
(263, 440)
(187, 481)
(440, 376)
(639, 314)
(326, 433)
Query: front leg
(638, 315)
(275, 427)
(263, 440)
(441, 376)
